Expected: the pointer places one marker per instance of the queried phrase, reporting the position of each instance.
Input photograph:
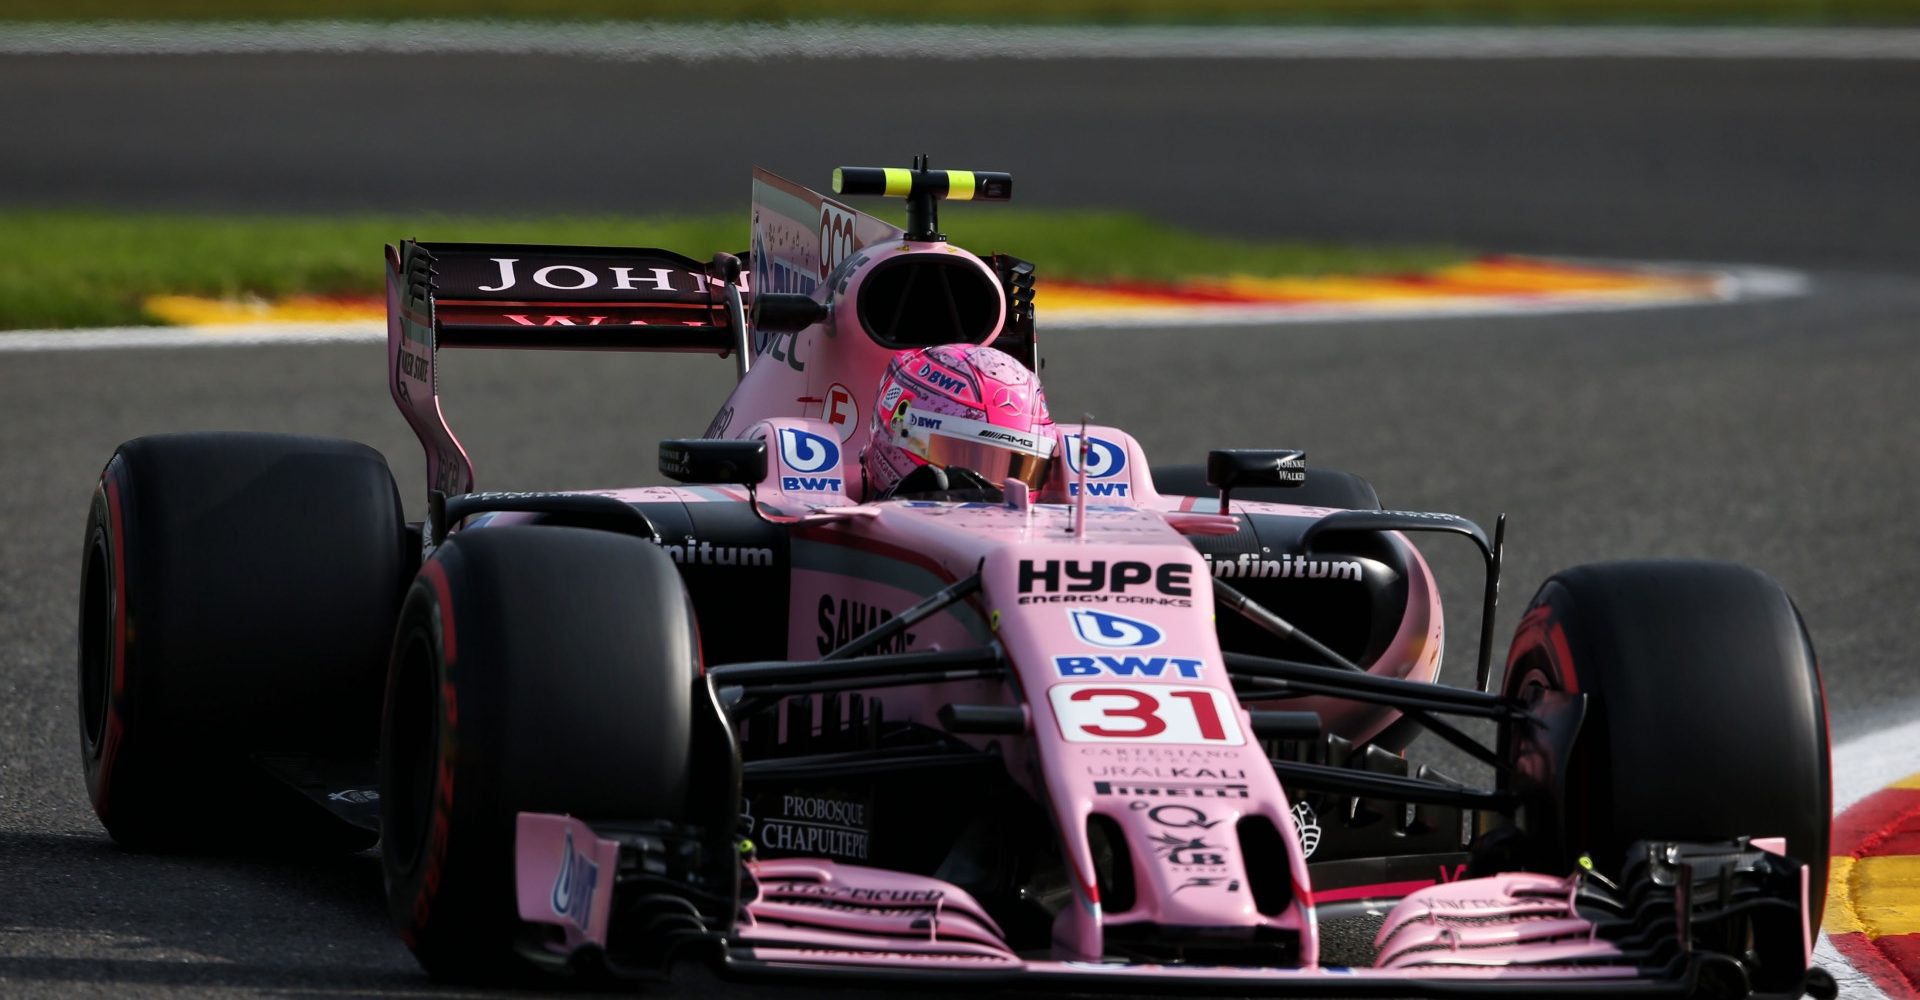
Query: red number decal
(1204, 713)
(1144, 709)
(1159, 713)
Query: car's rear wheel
(1704, 716)
(535, 669)
(1324, 488)
(237, 596)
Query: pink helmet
(959, 405)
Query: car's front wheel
(535, 669)
(1704, 716)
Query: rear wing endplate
(534, 297)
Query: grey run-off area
(1777, 433)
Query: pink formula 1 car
(906, 682)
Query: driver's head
(959, 406)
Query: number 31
(1162, 714)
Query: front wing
(1726, 919)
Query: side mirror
(776, 312)
(1229, 468)
(714, 461)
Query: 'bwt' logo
(1104, 457)
(1101, 628)
(940, 379)
(573, 888)
(804, 451)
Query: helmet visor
(996, 453)
(992, 462)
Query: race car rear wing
(544, 297)
(565, 297)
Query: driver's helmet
(959, 407)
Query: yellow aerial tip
(1586, 865)
(836, 181)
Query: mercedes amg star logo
(1009, 399)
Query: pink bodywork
(1172, 719)
(1124, 684)
(1091, 735)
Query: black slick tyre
(238, 593)
(1705, 717)
(535, 669)
(1323, 488)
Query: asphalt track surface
(1780, 434)
(1766, 162)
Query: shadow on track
(85, 911)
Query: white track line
(1869, 763)
(637, 41)
(1731, 283)
(116, 338)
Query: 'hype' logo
(1102, 628)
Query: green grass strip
(999, 11)
(78, 269)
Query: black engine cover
(1350, 595)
